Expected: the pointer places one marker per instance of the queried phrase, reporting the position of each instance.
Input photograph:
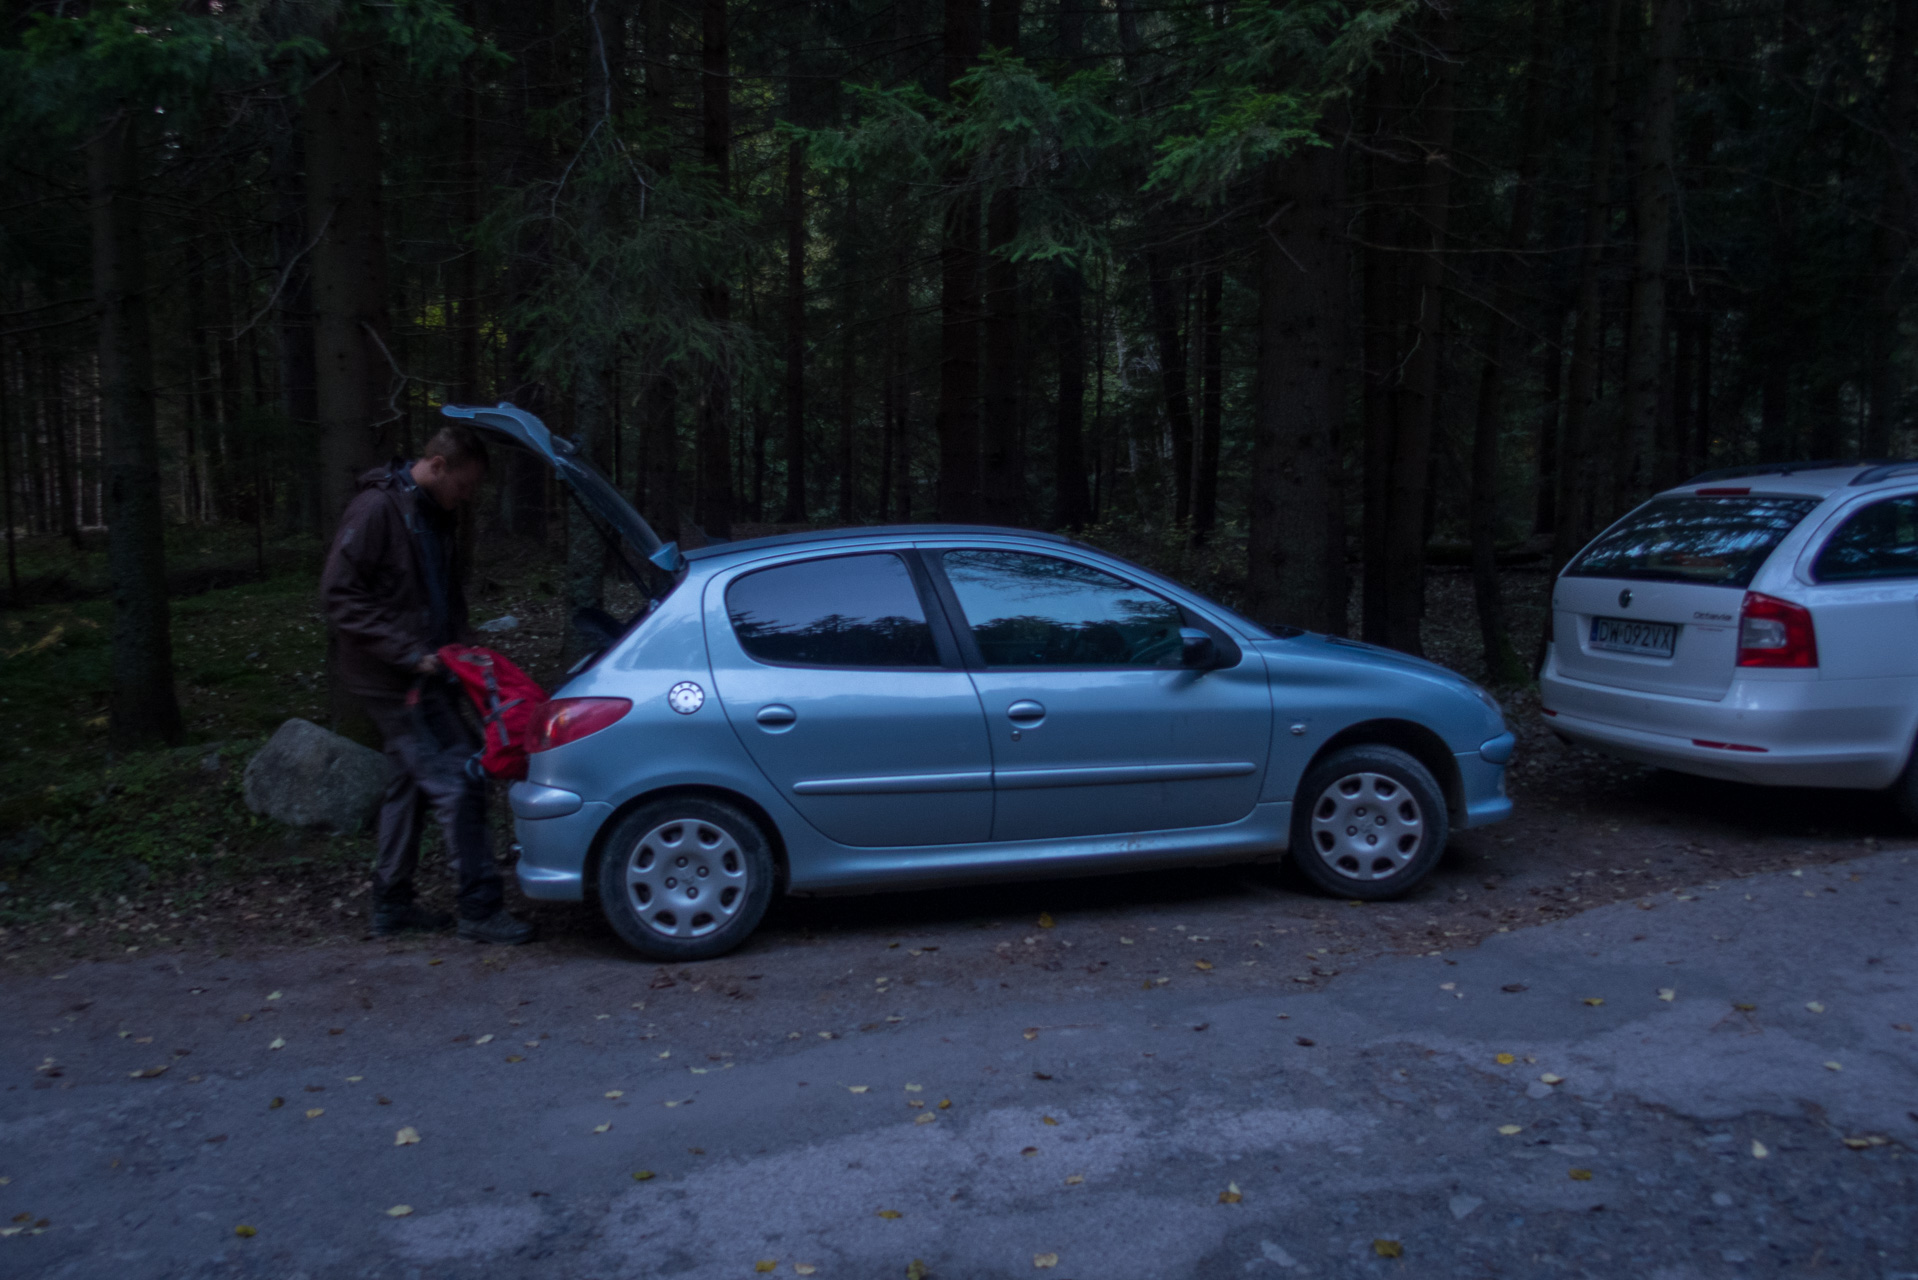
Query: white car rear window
(1713, 541)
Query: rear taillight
(1775, 633)
(565, 720)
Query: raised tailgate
(1704, 639)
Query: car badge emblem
(1625, 598)
(685, 697)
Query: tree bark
(848, 356)
(1295, 567)
(1551, 379)
(1575, 483)
(1001, 466)
(957, 420)
(1502, 663)
(293, 324)
(794, 512)
(715, 499)
(142, 705)
(1073, 505)
(1638, 465)
(354, 379)
(1172, 380)
(1205, 460)
(1891, 234)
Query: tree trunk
(142, 707)
(1575, 483)
(357, 421)
(848, 354)
(293, 325)
(1891, 235)
(1415, 407)
(1295, 567)
(466, 269)
(1382, 345)
(715, 499)
(1172, 380)
(1637, 464)
(794, 511)
(1205, 461)
(1073, 506)
(1552, 353)
(1502, 663)
(957, 421)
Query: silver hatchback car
(915, 706)
(1759, 624)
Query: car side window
(1030, 610)
(1880, 541)
(846, 611)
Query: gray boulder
(307, 777)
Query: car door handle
(776, 716)
(1025, 711)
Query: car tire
(1368, 822)
(685, 878)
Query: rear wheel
(685, 879)
(1369, 823)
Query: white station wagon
(1758, 624)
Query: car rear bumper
(552, 858)
(1783, 732)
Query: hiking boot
(501, 927)
(401, 917)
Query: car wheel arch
(1410, 737)
(775, 840)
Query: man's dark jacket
(376, 588)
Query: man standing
(392, 593)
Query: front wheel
(685, 879)
(1369, 823)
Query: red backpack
(507, 700)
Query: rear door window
(1718, 542)
(1039, 611)
(847, 611)
(1880, 541)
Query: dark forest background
(1329, 291)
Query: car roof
(1806, 479)
(809, 537)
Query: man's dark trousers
(429, 745)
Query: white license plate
(1621, 635)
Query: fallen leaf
(1581, 1175)
(807, 1268)
(1833, 1066)
(1667, 994)
(430, 963)
(766, 1264)
(1509, 1129)
(279, 1042)
(890, 1214)
(1201, 964)
(615, 1093)
(924, 1117)
(667, 1054)
(1594, 1001)
(245, 1231)
(1815, 1007)
(1048, 1120)
(1075, 1179)
(1448, 986)
(1044, 1261)
(643, 1175)
(1549, 1078)
(1045, 919)
(485, 1039)
(915, 1270)
(1388, 1248)
(1231, 1194)
(945, 1104)
(1505, 1059)
(1125, 942)
(1032, 1033)
(1759, 1149)
(383, 1100)
(274, 996)
(602, 1128)
(399, 1211)
(1746, 1008)
(276, 1104)
(407, 1137)
(314, 1113)
(1901, 1026)
(147, 1073)
(857, 1088)
(1306, 1041)
(1041, 1075)
(1513, 987)
(515, 1057)
(1868, 1140)
(1029, 1151)
(354, 1079)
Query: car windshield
(1713, 541)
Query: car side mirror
(1196, 649)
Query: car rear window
(1717, 542)
(845, 611)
